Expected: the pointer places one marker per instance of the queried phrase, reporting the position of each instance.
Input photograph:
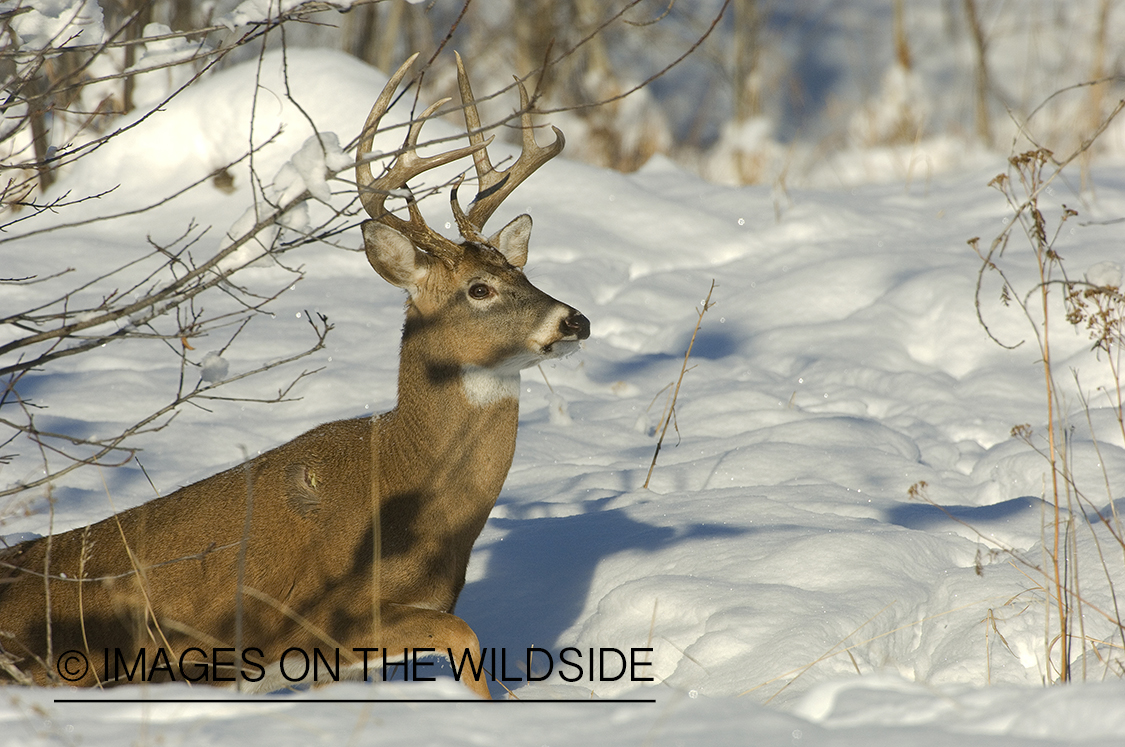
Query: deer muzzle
(574, 325)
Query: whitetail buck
(354, 535)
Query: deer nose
(575, 325)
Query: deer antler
(494, 186)
(373, 192)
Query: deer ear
(394, 257)
(512, 240)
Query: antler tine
(495, 185)
(373, 192)
(363, 175)
(485, 172)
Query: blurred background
(802, 92)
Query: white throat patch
(487, 386)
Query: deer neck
(456, 424)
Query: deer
(354, 536)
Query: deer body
(355, 534)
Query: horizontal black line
(349, 700)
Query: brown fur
(164, 574)
(355, 534)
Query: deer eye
(479, 291)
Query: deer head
(475, 289)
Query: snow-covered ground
(790, 588)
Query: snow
(790, 588)
(50, 22)
(258, 11)
(213, 367)
(1105, 274)
(309, 167)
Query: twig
(676, 392)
